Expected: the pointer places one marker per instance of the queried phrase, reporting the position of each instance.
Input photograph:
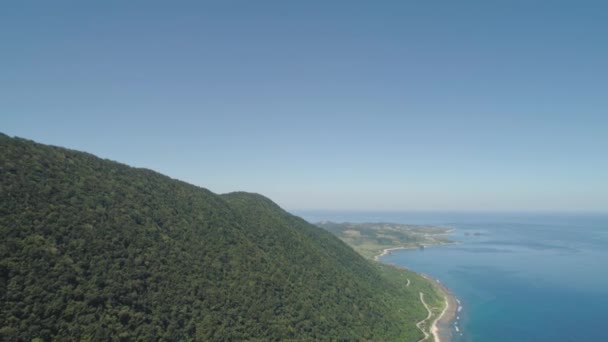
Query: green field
(370, 239)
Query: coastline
(387, 250)
(440, 329)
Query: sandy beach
(388, 250)
(441, 328)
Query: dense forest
(94, 250)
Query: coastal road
(419, 324)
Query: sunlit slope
(96, 250)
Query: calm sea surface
(520, 277)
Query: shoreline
(440, 329)
(387, 250)
(390, 249)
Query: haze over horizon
(343, 106)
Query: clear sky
(361, 105)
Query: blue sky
(359, 105)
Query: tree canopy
(95, 250)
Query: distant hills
(95, 250)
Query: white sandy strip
(408, 282)
(387, 250)
(434, 328)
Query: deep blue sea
(520, 277)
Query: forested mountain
(95, 250)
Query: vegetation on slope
(94, 250)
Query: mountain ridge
(98, 250)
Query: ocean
(520, 276)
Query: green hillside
(95, 250)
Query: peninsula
(374, 240)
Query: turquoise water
(520, 277)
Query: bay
(520, 276)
